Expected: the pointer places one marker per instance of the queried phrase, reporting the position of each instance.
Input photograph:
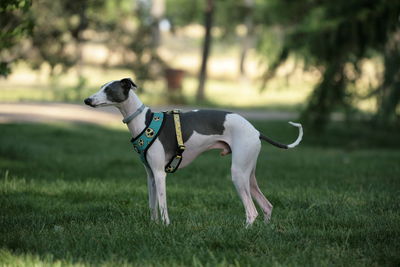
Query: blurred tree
(228, 14)
(58, 38)
(247, 39)
(157, 13)
(15, 23)
(58, 26)
(224, 14)
(114, 24)
(182, 12)
(131, 29)
(145, 40)
(389, 90)
(331, 35)
(208, 21)
(128, 28)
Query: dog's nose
(88, 101)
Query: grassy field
(74, 194)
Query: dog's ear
(127, 84)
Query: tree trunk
(328, 94)
(247, 40)
(77, 33)
(390, 89)
(208, 19)
(157, 14)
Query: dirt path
(50, 112)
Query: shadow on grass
(66, 151)
(79, 150)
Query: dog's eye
(109, 90)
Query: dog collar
(134, 114)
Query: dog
(201, 130)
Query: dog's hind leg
(242, 186)
(244, 158)
(152, 189)
(262, 201)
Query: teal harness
(145, 139)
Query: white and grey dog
(202, 130)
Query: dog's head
(112, 93)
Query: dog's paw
(267, 218)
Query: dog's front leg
(159, 177)
(151, 186)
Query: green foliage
(15, 23)
(228, 13)
(122, 25)
(143, 45)
(77, 194)
(182, 12)
(330, 35)
(57, 43)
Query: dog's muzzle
(88, 101)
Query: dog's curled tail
(292, 145)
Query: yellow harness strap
(173, 165)
(178, 129)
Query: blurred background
(317, 59)
(75, 194)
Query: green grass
(76, 195)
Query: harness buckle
(181, 148)
(173, 165)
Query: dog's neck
(128, 107)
